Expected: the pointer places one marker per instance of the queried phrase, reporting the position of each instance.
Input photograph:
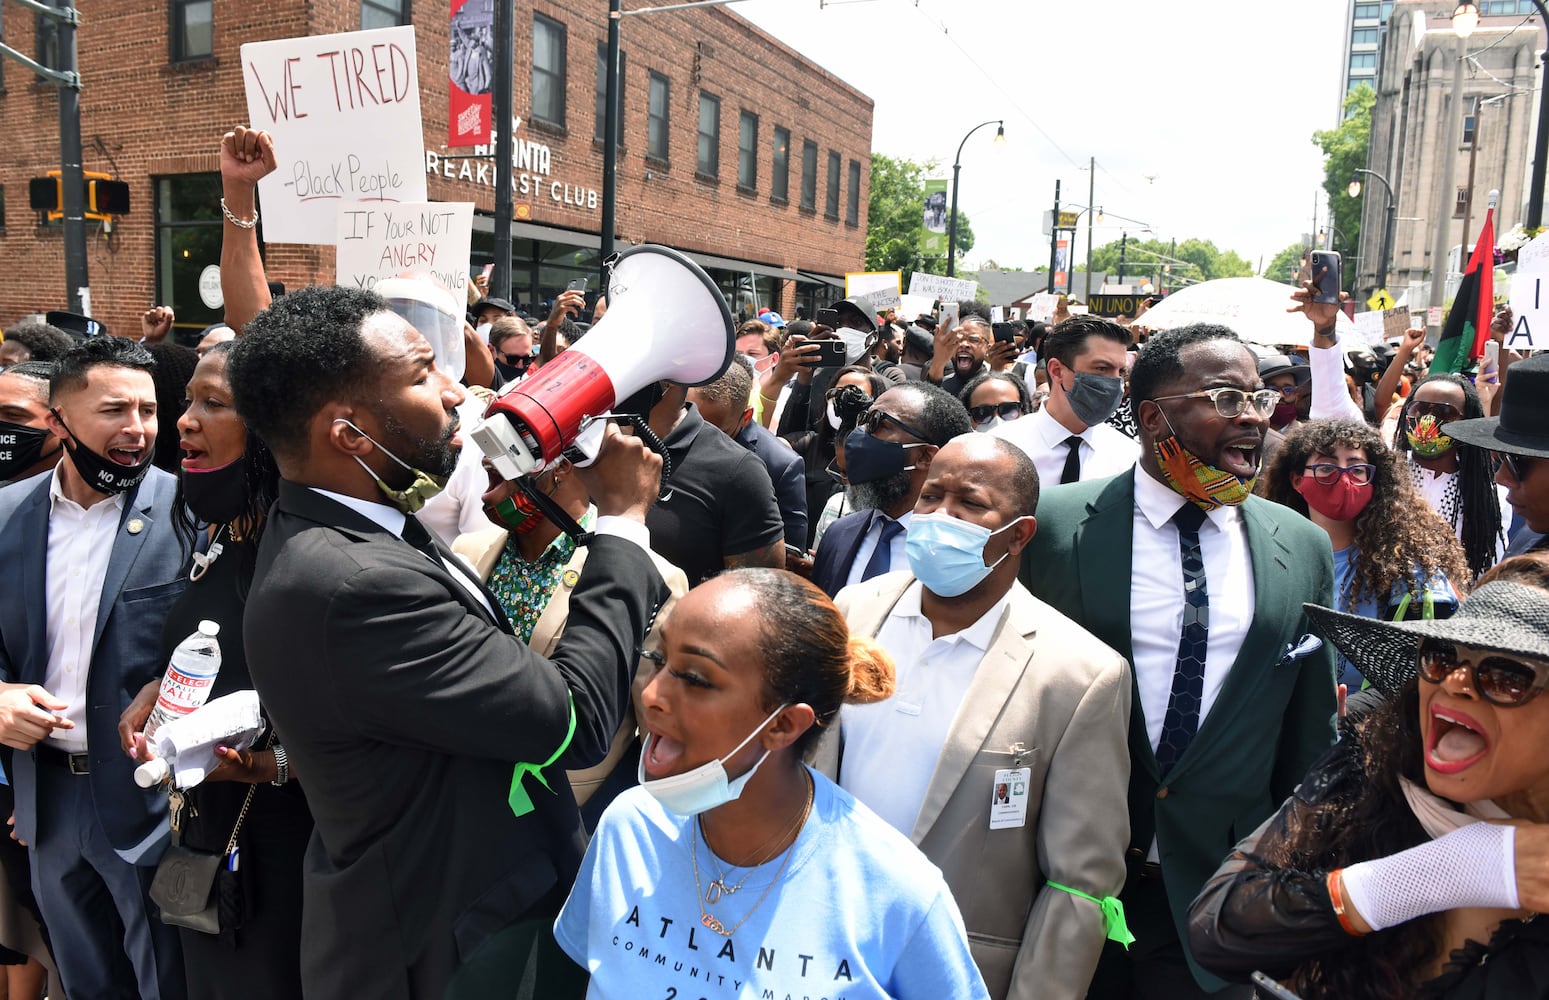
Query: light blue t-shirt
(858, 914)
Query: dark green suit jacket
(1274, 714)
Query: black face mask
(20, 448)
(217, 496)
(103, 474)
(512, 372)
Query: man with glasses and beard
(1200, 585)
(887, 458)
(422, 726)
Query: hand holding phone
(1328, 274)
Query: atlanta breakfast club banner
(471, 70)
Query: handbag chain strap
(231, 845)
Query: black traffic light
(103, 196)
(43, 194)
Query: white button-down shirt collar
(898, 552)
(80, 545)
(1105, 451)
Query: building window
(45, 40)
(1368, 11)
(1363, 60)
(1470, 118)
(192, 31)
(708, 163)
(1462, 203)
(1363, 36)
(383, 13)
(747, 151)
(548, 71)
(2, 208)
(656, 127)
(780, 171)
(188, 239)
(831, 203)
(809, 175)
(602, 93)
(852, 204)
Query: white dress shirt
(1105, 450)
(80, 543)
(891, 746)
(899, 552)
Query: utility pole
(502, 100)
(1446, 192)
(1054, 236)
(1091, 192)
(1123, 245)
(610, 147)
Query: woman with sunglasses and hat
(1392, 554)
(1414, 857)
(735, 870)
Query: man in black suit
(432, 741)
(903, 430)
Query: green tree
(1344, 150)
(1192, 259)
(896, 220)
(1286, 264)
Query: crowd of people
(920, 657)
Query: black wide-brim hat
(1502, 617)
(1523, 426)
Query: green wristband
(518, 799)
(1113, 914)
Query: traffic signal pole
(71, 180)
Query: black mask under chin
(20, 448)
(102, 473)
(219, 495)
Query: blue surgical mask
(868, 459)
(705, 787)
(946, 554)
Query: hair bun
(871, 672)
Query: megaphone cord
(643, 432)
(560, 516)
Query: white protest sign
(1530, 312)
(345, 113)
(1040, 308)
(941, 287)
(877, 301)
(997, 314)
(1370, 327)
(379, 240)
(912, 307)
(1534, 258)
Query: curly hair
(1480, 505)
(1400, 538)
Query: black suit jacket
(836, 552)
(404, 707)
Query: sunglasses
(1441, 411)
(1328, 474)
(1501, 680)
(1230, 403)
(873, 420)
(1006, 411)
(1517, 465)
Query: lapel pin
(570, 577)
(135, 525)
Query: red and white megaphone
(666, 320)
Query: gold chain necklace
(718, 886)
(707, 919)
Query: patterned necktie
(1072, 470)
(1183, 704)
(882, 559)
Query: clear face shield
(432, 310)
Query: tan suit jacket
(1046, 683)
(483, 548)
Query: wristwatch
(281, 767)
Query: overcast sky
(1200, 115)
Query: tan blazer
(1048, 684)
(483, 548)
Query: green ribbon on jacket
(1113, 914)
(518, 799)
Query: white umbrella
(1253, 308)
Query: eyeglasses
(1286, 391)
(1441, 411)
(1006, 411)
(1517, 465)
(1230, 403)
(1499, 679)
(1328, 473)
(872, 421)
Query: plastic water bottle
(189, 678)
(185, 746)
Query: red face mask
(1340, 500)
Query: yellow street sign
(1380, 300)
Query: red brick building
(734, 149)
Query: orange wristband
(1337, 898)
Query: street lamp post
(1535, 198)
(957, 165)
(1392, 214)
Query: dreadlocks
(1479, 505)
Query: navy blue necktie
(1072, 471)
(882, 559)
(1183, 704)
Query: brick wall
(143, 117)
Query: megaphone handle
(643, 432)
(554, 512)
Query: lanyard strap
(1113, 914)
(518, 799)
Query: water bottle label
(180, 691)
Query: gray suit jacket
(145, 575)
(1048, 684)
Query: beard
(883, 495)
(434, 456)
